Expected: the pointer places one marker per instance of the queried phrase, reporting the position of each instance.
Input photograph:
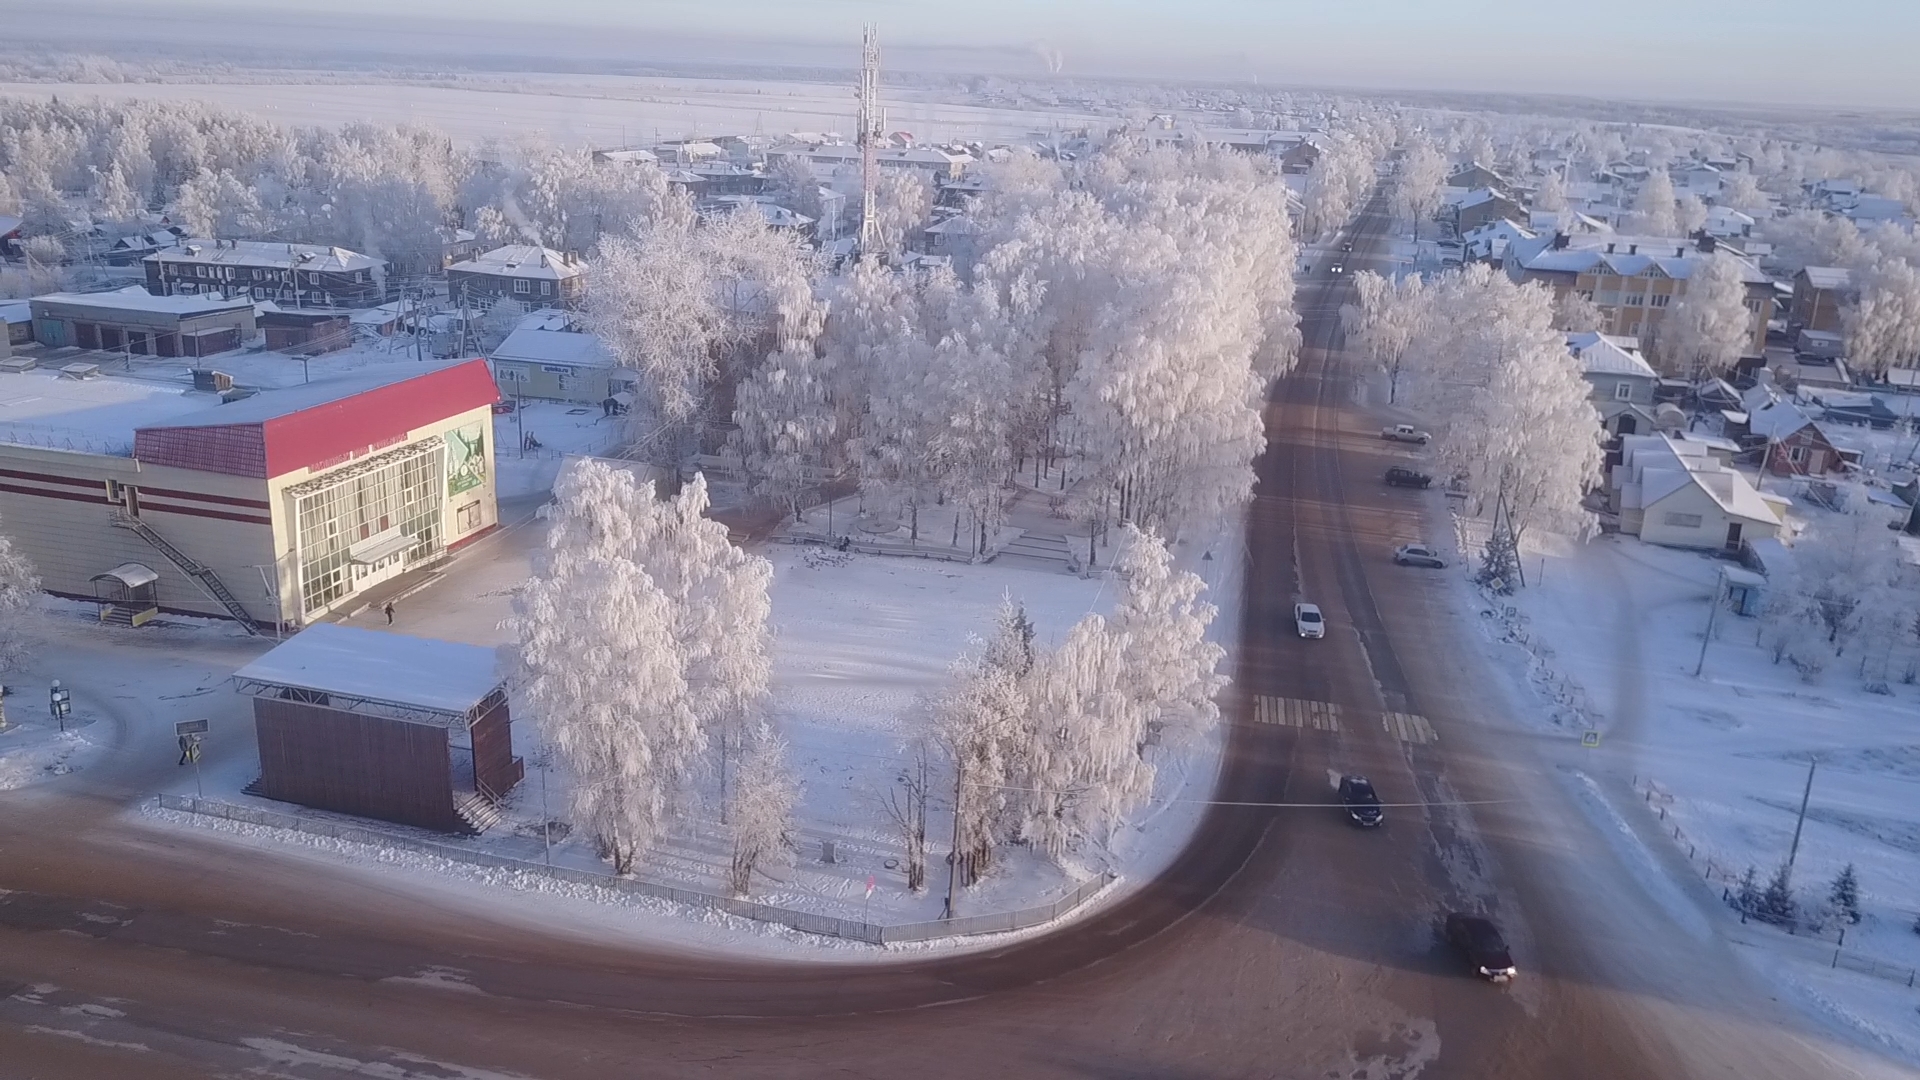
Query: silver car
(1418, 555)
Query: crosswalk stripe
(1409, 727)
(1293, 712)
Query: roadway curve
(1282, 943)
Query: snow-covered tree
(982, 719)
(1844, 895)
(1417, 187)
(906, 803)
(1390, 317)
(711, 642)
(658, 305)
(1655, 209)
(1777, 903)
(1883, 324)
(1810, 238)
(786, 419)
(1576, 314)
(19, 587)
(902, 204)
(1741, 191)
(1085, 768)
(1172, 669)
(1708, 328)
(1553, 192)
(1690, 214)
(795, 187)
(218, 205)
(1337, 184)
(594, 657)
(760, 807)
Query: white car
(1405, 433)
(1419, 555)
(1308, 621)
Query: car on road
(1337, 268)
(1348, 246)
(1419, 555)
(1480, 942)
(1308, 621)
(1361, 801)
(1405, 433)
(1401, 476)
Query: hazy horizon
(1648, 50)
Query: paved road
(1283, 943)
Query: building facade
(1634, 280)
(271, 509)
(299, 275)
(135, 321)
(525, 273)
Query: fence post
(1836, 959)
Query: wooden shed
(388, 726)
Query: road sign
(1589, 739)
(190, 727)
(869, 886)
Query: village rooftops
(533, 345)
(256, 253)
(522, 261)
(1626, 256)
(1829, 277)
(1655, 466)
(348, 667)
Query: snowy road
(1283, 943)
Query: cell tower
(870, 135)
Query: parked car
(1401, 476)
(1419, 555)
(1405, 433)
(1480, 942)
(1362, 803)
(1308, 621)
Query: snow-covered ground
(860, 639)
(1609, 632)
(562, 430)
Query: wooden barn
(404, 729)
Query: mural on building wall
(466, 458)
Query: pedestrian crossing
(1326, 716)
(1409, 727)
(1292, 712)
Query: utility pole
(1805, 794)
(953, 853)
(869, 138)
(1713, 612)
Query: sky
(1833, 52)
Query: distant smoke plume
(1050, 56)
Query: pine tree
(1845, 895)
(1746, 896)
(1776, 903)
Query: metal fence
(808, 922)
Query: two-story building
(1634, 280)
(291, 275)
(533, 275)
(1622, 380)
(1483, 206)
(1819, 292)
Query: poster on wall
(466, 458)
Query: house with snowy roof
(527, 273)
(1634, 280)
(1789, 440)
(540, 359)
(1475, 175)
(1819, 292)
(1727, 223)
(1622, 380)
(1677, 492)
(1483, 206)
(1489, 242)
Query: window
(1753, 304)
(1684, 521)
(1623, 391)
(259, 274)
(1659, 300)
(520, 285)
(1635, 299)
(1797, 455)
(546, 288)
(199, 271)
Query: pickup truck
(1405, 433)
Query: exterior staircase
(1040, 550)
(206, 578)
(477, 812)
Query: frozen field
(600, 110)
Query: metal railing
(996, 922)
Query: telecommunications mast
(870, 135)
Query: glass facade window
(403, 491)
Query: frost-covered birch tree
(1171, 668)
(1553, 192)
(1390, 317)
(982, 719)
(1655, 209)
(1576, 314)
(1708, 328)
(1882, 325)
(1417, 187)
(760, 808)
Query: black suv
(1480, 941)
(1401, 476)
(1363, 805)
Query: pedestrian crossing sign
(1589, 739)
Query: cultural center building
(272, 508)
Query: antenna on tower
(869, 139)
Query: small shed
(404, 729)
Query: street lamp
(60, 703)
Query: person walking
(186, 749)
(387, 610)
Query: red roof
(313, 426)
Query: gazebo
(389, 726)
